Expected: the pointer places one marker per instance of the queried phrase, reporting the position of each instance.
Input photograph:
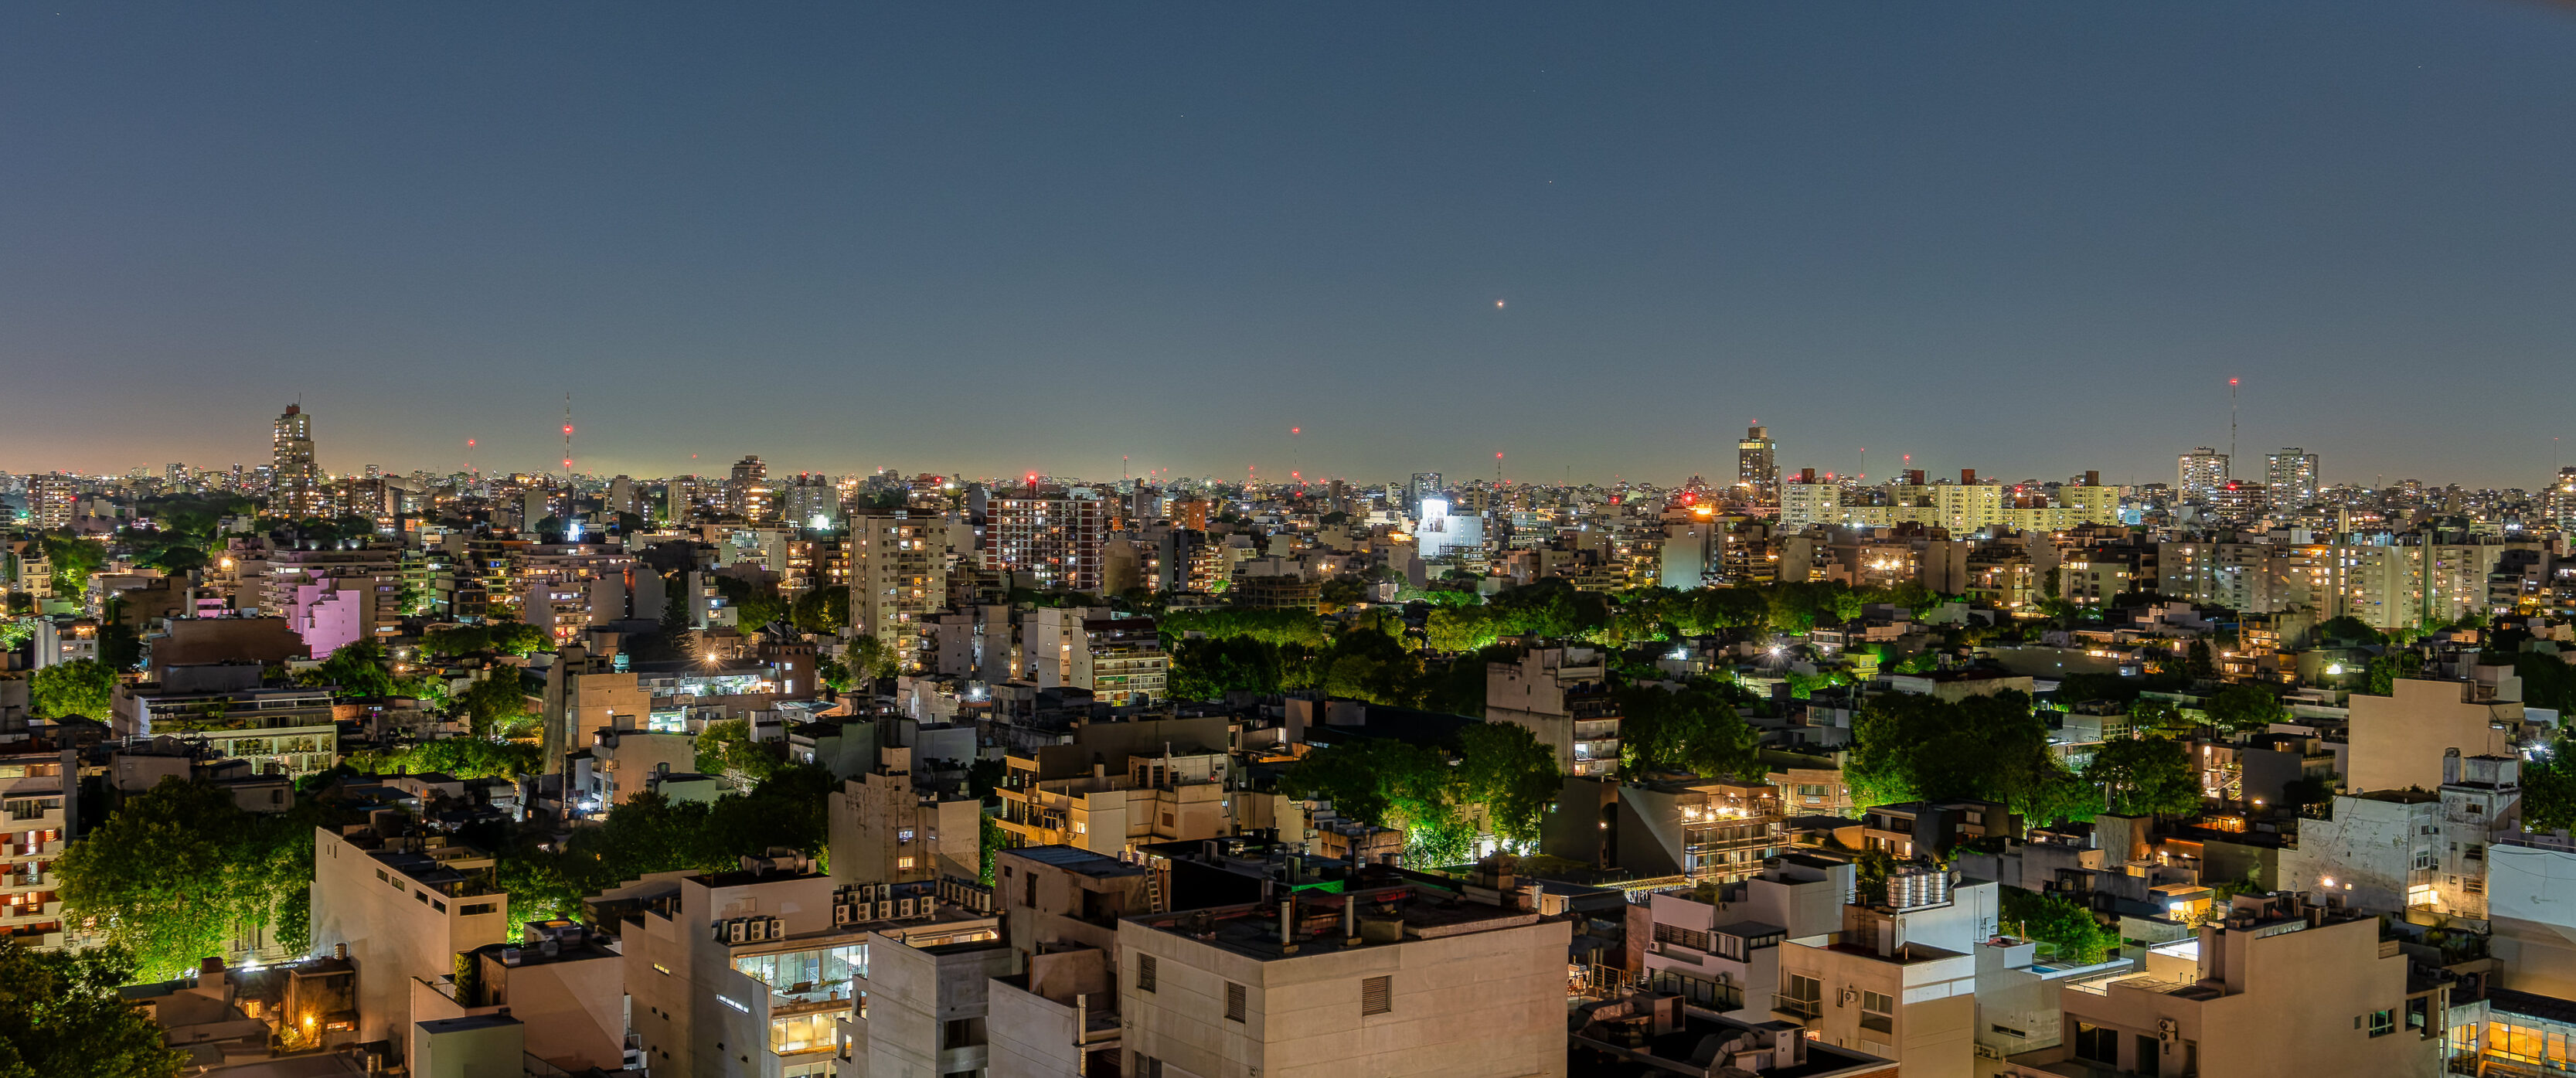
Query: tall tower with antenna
(2231, 429)
(567, 457)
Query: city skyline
(1403, 233)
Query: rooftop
(1077, 859)
(1390, 910)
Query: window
(2097, 1044)
(1144, 973)
(1236, 1005)
(2383, 1023)
(1695, 940)
(904, 863)
(1877, 1013)
(438, 905)
(1377, 995)
(472, 908)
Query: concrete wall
(393, 931)
(2295, 998)
(1474, 1004)
(2531, 904)
(2368, 850)
(2398, 740)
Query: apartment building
(1721, 952)
(404, 906)
(1120, 660)
(898, 578)
(1562, 694)
(1721, 830)
(40, 797)
(621, 765)
(927, 1005)
(2395, 851)
(2278, 987)
(887, 828)
(1170, 798)
(1391, 976)
(1899, 978)
(584, 694)
(1051, 534)
(561, 980)
(329, 597)
(757, 972)
(224, 707)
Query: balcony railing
(1804, 1010)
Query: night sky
(2026, 238)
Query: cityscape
(1360, 709)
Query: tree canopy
(83, 687)
(2244, 709)
(1497, 773)
(1693, 727)
(2146, 776)
(2071, 930)
(823, 610)
(61, 1017)
(1991, 748)
(650, 833)
(177, 869)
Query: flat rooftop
(1415, 910)
(1077, 859)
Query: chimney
(1288, 924)
(1350, 920)
(1967, 477)
(340, 951)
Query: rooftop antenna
(2231, 428)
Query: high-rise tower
(295, 486)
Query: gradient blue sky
(2027, 238)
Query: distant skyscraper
(1425, 485)
(295, 485)
(1055, 536)
(50, 499)
(747, 491)
(1757, 468)
(2290, 478)
(2558, 502)
(2199, 473)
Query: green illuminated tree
(61, 1017)
(823, 610)
(359, 669)
(82, 687)
(1695, 728)
(1503, 767)
(497, 706)
(2244, 709)
(2073, 931)
(2146, 776)
(178, 869)
(518, 638)
(872, 660)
